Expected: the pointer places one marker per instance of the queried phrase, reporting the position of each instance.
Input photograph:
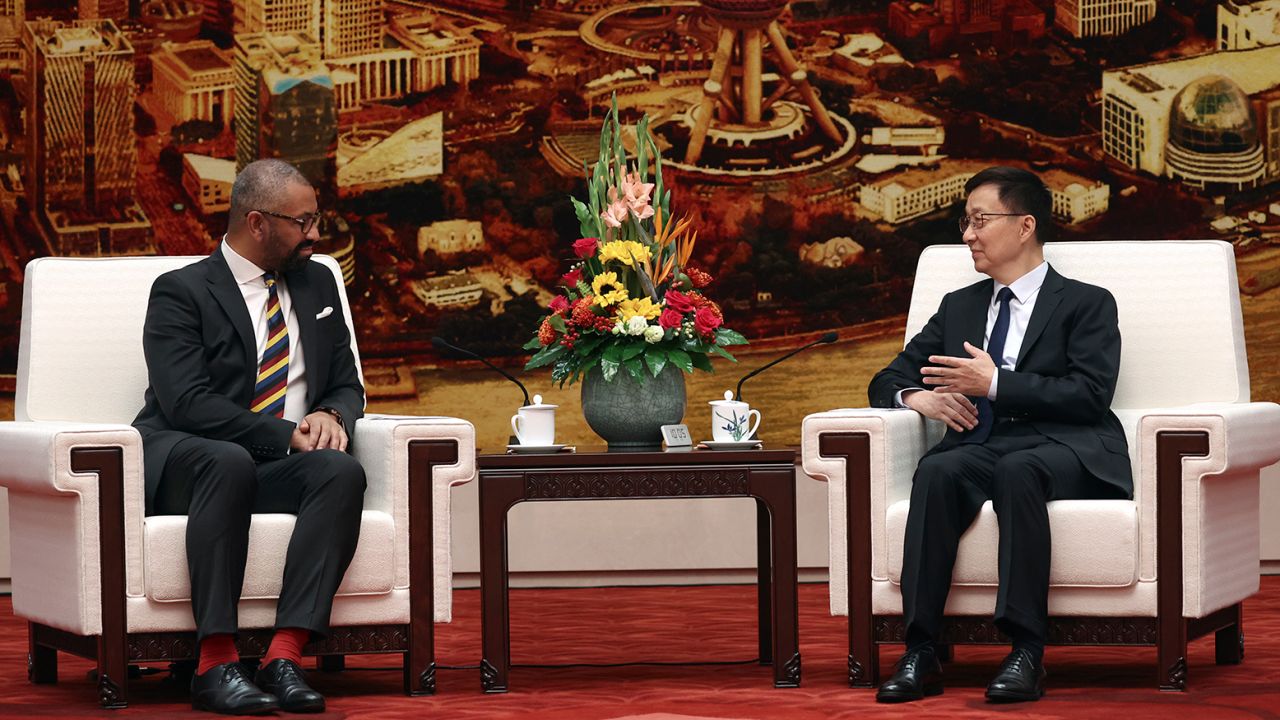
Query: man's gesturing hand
(319, 430)
(967, 376)
(954, 409)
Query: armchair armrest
(896, 441)
(60, 518)
(1218, 488)
(384, 445)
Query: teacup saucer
(535, 448)
(731, 445)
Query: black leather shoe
(227, 689)
(284, 679)
(918, 674)
(1019, 679)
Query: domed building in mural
(1213, 138)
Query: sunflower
(627, 252)
(608, 290)
(644, 307)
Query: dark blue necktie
(995, 348)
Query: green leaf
(631, 350)
(546, 356)
(560, 372)
(722, 352)
(608, 368)
(701, 362)
(635, 367)
(656, 359)
(533, 344)
(725, 336)
(613, 354)
(586, 346)
(557, 322)
(680, 359)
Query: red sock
(217, 650)
(287, 643)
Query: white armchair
(96, 578)
(1172, 564)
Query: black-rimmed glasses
(979, 220)
(305, 223)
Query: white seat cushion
(165, 575)
(1080, 529)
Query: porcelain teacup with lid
(731, 419)
(535, 424)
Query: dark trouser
(218, 486)
(1019, 470)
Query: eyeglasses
(979, 220)
(305, 223)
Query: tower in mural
(284, 105)
(277, 17)
(12, 15)
(352, 27)
(734, 89)
(82, 161)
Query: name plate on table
(676, 436)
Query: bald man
(253, 394)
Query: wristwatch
(336, 415)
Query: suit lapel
(973, 314)
(222, 285)
(1046, 303)
(302, 297)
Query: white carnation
(618, 328)
(653, 334)
(637, 325)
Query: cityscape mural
(817, 146)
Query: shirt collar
(244, 271)
(1027, 285)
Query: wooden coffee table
(768, 475)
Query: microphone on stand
(441, 344)
(827, 338)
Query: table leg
(764, 582)
(777, 490)
(497, 495)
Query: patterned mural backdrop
(815, 146)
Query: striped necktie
(273, 370)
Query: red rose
(670, 318)
(679, 302)
(559, 304)
(585, 247)
(698, 278)
(571, 278)
(706, 321)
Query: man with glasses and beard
(252, 398)
(1028, 421)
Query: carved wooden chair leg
(1229, 641)
(42, 661)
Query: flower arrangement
(630, 301)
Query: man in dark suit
(253, 395)
(1028, 420)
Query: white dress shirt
(254, 289)
(1025, 291)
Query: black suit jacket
(202, 362)
(1064, 379)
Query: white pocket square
(326, 312)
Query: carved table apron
(767, 475)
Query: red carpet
(615, 625)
